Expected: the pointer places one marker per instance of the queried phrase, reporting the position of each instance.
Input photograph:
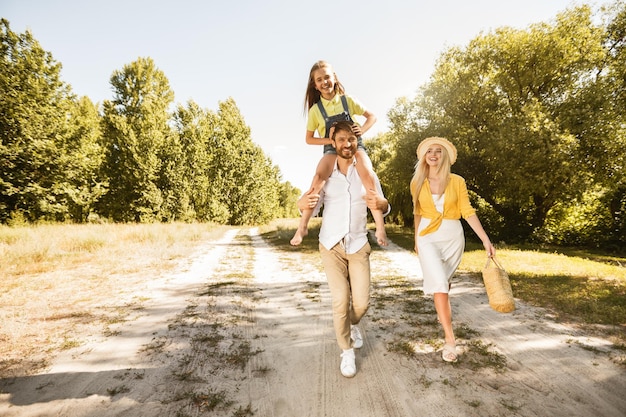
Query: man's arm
(308, 202)
(376, 201)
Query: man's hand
(308, 201)
(375, 201)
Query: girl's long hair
(312, 96)
(422, 169)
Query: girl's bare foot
(298, 236)
(381, 236)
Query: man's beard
(343, 155)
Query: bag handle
(495, 261)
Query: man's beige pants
(349, 282)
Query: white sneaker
(348, 365)
(355, 335)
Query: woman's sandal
(448, 353)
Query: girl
(327, 103)
(440, 199)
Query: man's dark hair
(344, 125)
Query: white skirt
(440, 254)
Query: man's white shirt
(345, 210)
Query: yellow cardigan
(455, 205)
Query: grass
(312, 292)
(210, 400)
(122, 389)
(46, 247)
(482, 355)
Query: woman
(440, 199)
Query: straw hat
(445, 143)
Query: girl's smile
(325, 82)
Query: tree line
(539, 119)
(538, 116)
(131, 159)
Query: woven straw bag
(498, 287)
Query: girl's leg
(366, 172)
(322, 172)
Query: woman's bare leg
(444, 313)
(322, 172)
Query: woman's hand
(491, 251)
(417, 218)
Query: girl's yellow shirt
(315, 120)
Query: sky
(260, 52)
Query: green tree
(597, 117)
(196, 129)
(136, 135)
(410, 123)
(503, 101)
(249, 182)
(229, 177)
(174, 184)
(80, 186)
(288, 198)
(34, 104)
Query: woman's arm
(477, 227)
(417, 218)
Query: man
(344, 247)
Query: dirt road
(244, 329)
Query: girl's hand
(356, 129)
(308, 201)
(375, 201)
(330, 133)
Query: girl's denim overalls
(329, 120)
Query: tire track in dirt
(294, 323)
